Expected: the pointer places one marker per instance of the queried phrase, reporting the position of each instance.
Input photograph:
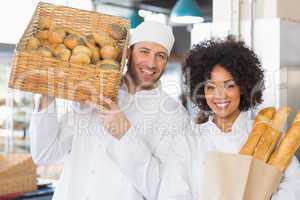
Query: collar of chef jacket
(241, 126)
(147, 100)
(229, 142)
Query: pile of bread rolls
(266, 141)
(99, 48)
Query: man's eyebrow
(162, 52)
(144, 48)
(148, 49)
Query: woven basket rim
(40, 4)
(92, 21)
(81, 10)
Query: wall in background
(16, 14)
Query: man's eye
(143, 51)
(161, 56)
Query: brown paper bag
(238, 177)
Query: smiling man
(118, 153)
(143, 70)
(148, 55)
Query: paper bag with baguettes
(256, 172)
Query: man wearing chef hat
(150, 47)
(118, 153)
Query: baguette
(288, 146)
(259, 126)
(271, 135)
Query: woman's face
(222, 94)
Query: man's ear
(128, 52)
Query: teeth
(222, 105)
(147, 72)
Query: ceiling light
(186, 12)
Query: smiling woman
(226, 80)
(222, 95)
(225, 77)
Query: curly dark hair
(239, 60)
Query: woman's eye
(210, 87)
(230, 86)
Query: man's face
(147, 62)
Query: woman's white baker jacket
(98, 166)
(184, 170)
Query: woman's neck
(225, 123)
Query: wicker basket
(62, 79)
(15, 164)
(17, 174)
(18, 184)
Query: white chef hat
(152, 31)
